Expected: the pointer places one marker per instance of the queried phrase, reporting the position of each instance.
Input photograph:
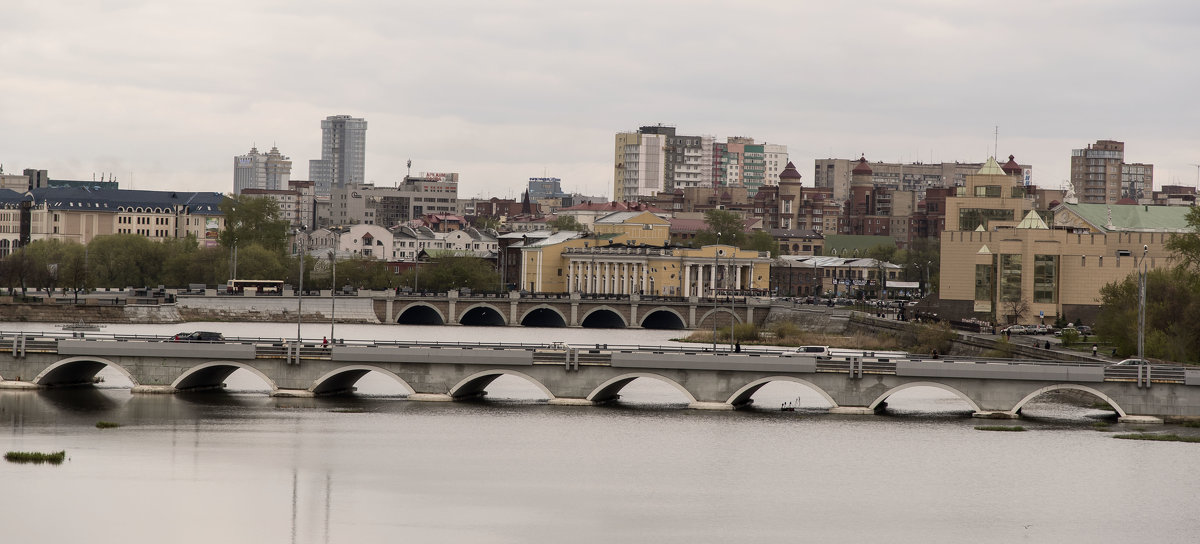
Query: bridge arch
(663, 317)
(420, 313)
(702, 321)
(1056, 387)
(482, 315)
(343, 379)
(543, 315)
(212, 374)
(603, 317)
(875, 404)
(742, 396)
(78, 371)
(611, 389)
(475, 384)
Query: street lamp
(712, 293)
(1142, 304)
(300, 294)
(332, 291)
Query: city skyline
(501, 93)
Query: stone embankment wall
(810, 318)
(186, 309)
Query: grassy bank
(922, 339)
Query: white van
(808, 351)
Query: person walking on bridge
(1095, 348)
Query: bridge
(586, 375)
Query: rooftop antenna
(996, 142)
(1197, 175)
(409, 167)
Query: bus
(258, 287)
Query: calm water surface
(239, 466)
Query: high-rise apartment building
(836, 174)
(1100, 175)
(655, 159)
(343, 153)
(262, 171)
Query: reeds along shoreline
(54, 458)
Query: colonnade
(609, 277)
(701, 279)
(616, 277)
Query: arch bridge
(569, 310)
(587, 374)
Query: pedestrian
(324, 341)
(934, 354)
(1047, 344)
(1095, 348)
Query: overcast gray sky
(163, 94)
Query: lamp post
(1142, 304)
(713, 292)
(332, 291)
(300, 294)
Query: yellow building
(612, 264)
(638, 227)
(1004, 261)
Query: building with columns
(610, 264)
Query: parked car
(1060, 332)
(1084, 329)
(199, 336)
(1015, 329)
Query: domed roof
(1011, 167)
(790, 173)
(862, 168)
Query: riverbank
(190, 309)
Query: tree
(453, 273)
(253, 220)
(727, 224)
(1015, 307)
(486, 222)
(762, 241)
(1172, 310)
(566, 222)
(1186, 246)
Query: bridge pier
(153, 390)
(852, 411)
(1141, 420)
(17, 384)
(566, 401)
(710, 406)
(293, 393)
(995, 414)
(430, 397)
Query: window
(1045, 278)
(983, 282)
(1010, 277)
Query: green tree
(253, 220)
(761, 241)
(125, 260)
(728, 225)
(453, 273)
(486, 222)
(1186, 246)
(566, 222)
(1172, 310)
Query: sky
(162, 95)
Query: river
(239, 466)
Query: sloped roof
(991, 168)
(1132, 217)
(1032, 221)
